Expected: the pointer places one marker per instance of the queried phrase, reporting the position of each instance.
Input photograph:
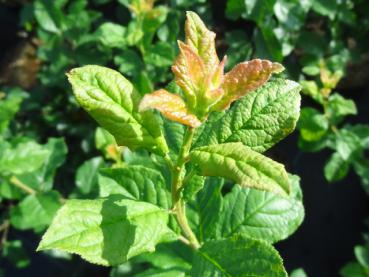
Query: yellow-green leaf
(244, 166)
(201, 40)
(112, 101)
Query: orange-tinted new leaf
(246, 77)
(189, 72)
(171, 106)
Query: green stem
(18, 183)
(179, 206)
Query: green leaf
(291, 14)
(111, 35)
(208, 205)
(49, 15)
(325, 7)
(9, 191)
(353, 270)
(362, 131)
(160, 55)
(339, 107)
(313, 125)
(258, 120)
(143, 83)
(152, 20)
(9, 107)
(361, 167)
(238, 256)
(43, 178)
(129, 62)
(336, 168)
(267, 44)
(86, 177)
(134, 33)
(22, 158)
(235, 9)
(348, 144)
(362, 255)
(299, 272)
(135, 182)
(313, 146)
(167, 256)
(107, 231)
(261, 215)
(14, 252)
(311, 89)
(174, 133)
(111, 100)
(242, 165)
(35, 211)
(192, 187)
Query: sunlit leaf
(201, 40)
(171, 106)
(113, 102)
(107, 231)
(189, 72)
(242, 165)
(246, 77)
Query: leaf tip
(277, 68)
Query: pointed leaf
(111, 100)
(171, 106)
(242, 165)
(260, 214)
(336, 168)
(246, 77)
(107, 231)
(201, 40)
(136, 182)
(259, 120)
(238, 256)
(189, 72)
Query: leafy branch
(140, 206)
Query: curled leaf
(246, 77)
(171, 106)
(189, 71)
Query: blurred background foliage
(50, 150)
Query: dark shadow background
(334, 217)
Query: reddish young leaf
(245, 77)
(189, 72)
(171, 106)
